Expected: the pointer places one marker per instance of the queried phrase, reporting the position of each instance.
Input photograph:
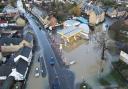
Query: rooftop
(28, 37)
(25, 51)
(8, 41)
(21, 66)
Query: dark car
(52, 61)
(84, 85)
(40, 28)
(56, 84)
(43, 68)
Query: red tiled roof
(3, 21)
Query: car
(55, 84)
(40, 28)
(43, 73)
(37, 74)
(72, 62)
(52, 61)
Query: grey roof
(121, 9)
(25, 51)
(8, 83)
(28, 37)
(87, 7)
(10, 9)
(8, 41)
(110, 10)
(97, 10)
(13, 27)
(21, 66)
(5, 70)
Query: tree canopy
(119, 31)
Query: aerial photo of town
(63, 44)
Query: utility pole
(103, 45)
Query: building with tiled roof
(14, 44)
(95, 13)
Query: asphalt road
(47, 52)
(64, 77)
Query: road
(47, 52)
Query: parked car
(43, 73)
(52, 61)
(72, 62)
(37, 74)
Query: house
(53, 22)
(87, 8)
(22, 63)
(111, 12)
(24, 53)
(11, 33)
(121, 1)
(29, 38)
(6, 69)
(38, 1)
(121, 11)
(10, 11)
(17, 66)
(14, 44)
(3, 22)
(95, 13)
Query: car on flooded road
(52, 61)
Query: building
(53, 22)
(38, 1)
(122, 1)
(10, 11)
(6, 69)
(95, 13)
(17, 66)
(111, 12)
(14, 44)
(121, 11)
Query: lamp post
(103, 44)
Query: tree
(76, 10)
(119, 31)
(12, 2)
(109, 3)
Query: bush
(104, 82)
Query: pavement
(36, 82)
(40, 82)
(47, 52)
